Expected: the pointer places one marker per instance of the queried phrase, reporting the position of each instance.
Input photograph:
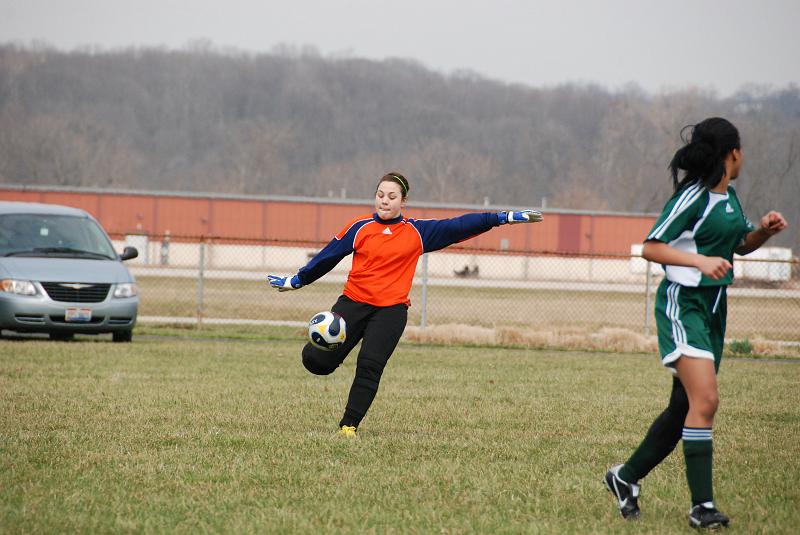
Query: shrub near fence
(208, 280)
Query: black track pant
(379, 330)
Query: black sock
(662, 437)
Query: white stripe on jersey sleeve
(686, 199)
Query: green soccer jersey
(698, 220)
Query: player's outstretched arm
(520, 216)
(440, 233)
(322, 263)
(284, 283)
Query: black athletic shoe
(627, 494)
(703, 517)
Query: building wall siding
(317, 220)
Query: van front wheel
(62, 337)
(122, 336)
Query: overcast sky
(711, 44)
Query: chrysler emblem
(75, 285)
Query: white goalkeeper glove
(284, 284)
(521, 216)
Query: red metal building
(301, 219)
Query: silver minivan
(60, 274)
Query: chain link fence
(204, 281)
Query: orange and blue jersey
(385, 253)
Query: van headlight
(127, 289)
(19, 287)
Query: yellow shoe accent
(347, 431)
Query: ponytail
(702, 156)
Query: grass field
(186, 436)
(771, 318)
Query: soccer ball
(327, 330)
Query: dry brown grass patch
(614, 339)
(770, 347)
(603, 339)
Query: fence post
(200, 282)
(423, 320)
(648, 278)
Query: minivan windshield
(53, 236)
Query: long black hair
(702, 156)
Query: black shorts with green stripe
(690, 322)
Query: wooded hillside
(297, 123)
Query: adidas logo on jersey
(386, 231)
(728, 208)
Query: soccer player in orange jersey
(374, 304)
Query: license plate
(78, 315)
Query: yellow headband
(401, 181)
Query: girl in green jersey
(695, 237)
